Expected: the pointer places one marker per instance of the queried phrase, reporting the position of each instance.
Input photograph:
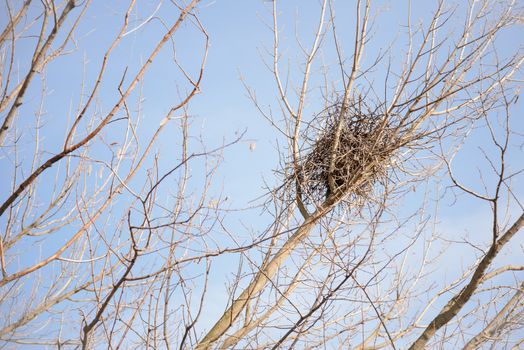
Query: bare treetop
(392, 221)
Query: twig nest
(359, 153)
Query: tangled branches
(353, 148)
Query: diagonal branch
(453, 307)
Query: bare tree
(74, 224)
(344, 169)
(108, 242)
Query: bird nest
(353, 159)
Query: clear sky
(238, 53)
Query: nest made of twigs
(360, 157)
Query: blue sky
(239, 40)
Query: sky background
(239, 39)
